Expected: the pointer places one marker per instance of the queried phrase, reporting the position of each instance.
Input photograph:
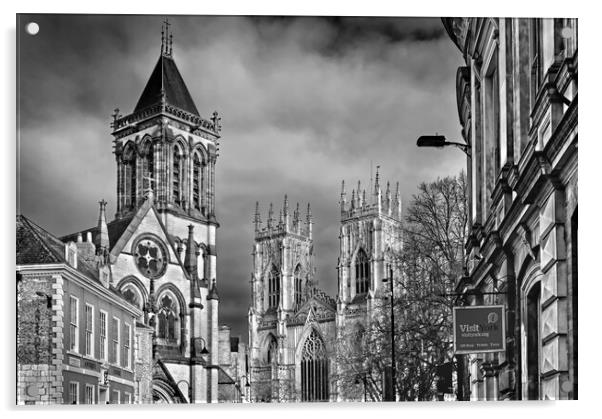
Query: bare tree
(425, 273)
(432, 260)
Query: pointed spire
(359, 191)
(309, 221)
(296, 221)
(388, 199)
(190, 258)
(398, 201)
(212, 295)
(102, 238)
(343, 201)
(353, 199)
(364, 202)
(270, 215)
(166, 38)
(286, 213)
(280, 219)
(377, 181)
(257, 217)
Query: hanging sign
(479, 329)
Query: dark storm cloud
(306, 102)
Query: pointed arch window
(129, 177)
(272, 353)
(298, 285)
(196, 182)
(167, 320)
(362, 272)
(132, 296)
(274, 288)
(177, 176)
(148, 169)
(314, 370)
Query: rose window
(150, 258)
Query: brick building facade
(75, 333)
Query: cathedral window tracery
(148, 169)
(298, 285)
(314, 369)
(362, 272)
(196, 182)
(129, 177)
(274, 288)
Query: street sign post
(479, 329)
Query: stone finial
(377, 181)
(257, 217)
(309, 221)
(271, 215)
(212, 295)
(343, 201)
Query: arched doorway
(314, 370)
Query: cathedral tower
(282, 273)
(370, 235)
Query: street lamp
(390, 280)
(439, 141)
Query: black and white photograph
(295, 209)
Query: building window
(314, 370)
(129, 177)
(167, 317)
(103, 336)
(127, 346)
(274, 288)
(491, 134)
(128, 398)
(89, 330)
(196, 183)
(89, 394)
(176, 175)
(533, 341)
(362, 272)
(116, 397)
(73, 392)
(298, 285)
(74, 324)
(148, 169)
(116, 338)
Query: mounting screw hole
(32, 28)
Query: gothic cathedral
(294, 327)
(159, 251)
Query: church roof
(37, 246)
(115, 227)
(166, 77)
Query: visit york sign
(479, 329)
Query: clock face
(151, 257)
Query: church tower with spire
(159, 251)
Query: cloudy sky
(305, 103)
